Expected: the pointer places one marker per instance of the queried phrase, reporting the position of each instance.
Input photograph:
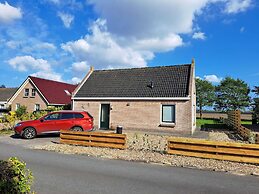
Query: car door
(66, 121)
(49, 123)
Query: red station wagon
(54, 122)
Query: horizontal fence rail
(248, 153)
(94, 139)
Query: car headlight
(17, 125)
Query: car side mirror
(41, 120)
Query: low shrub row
(15, 177)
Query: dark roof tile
(6, 93)
(168, 81)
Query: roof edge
(83, 81)
(165, 66)
(131, 98)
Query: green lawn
(200, 122)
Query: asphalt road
(60, 173)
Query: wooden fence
(94, 139)
(248, 153)
(234, 121)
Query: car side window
(67, 116)
(79, 116)
(54, 116)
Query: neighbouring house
(37, 94)
(5, 95)
(151, 98)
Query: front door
(105, 116)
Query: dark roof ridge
(51, 80)
(153, 67)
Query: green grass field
(200, 122)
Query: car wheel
(76, 129)
(29, 133)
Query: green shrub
(21, 111)
(15, 177)
(10, 118)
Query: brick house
(5, 95)
(152, 98)
(37, 94)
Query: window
(33, 92)
(26, 92)
(67, 116)
(2, 106)
(37, 107)
(79, 116)
(17, 106)
(54, 116)
(168, 113)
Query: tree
(256, 90)
(2, 86)
(205, 93)
(232, 94)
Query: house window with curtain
(168, 114)
(33, 92)
(17, 106)
(37, 107)
(26, 92)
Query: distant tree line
(230, 94)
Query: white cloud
(48, 75)
(9, 13)
(148, 19)
(45, 45)
(80, 67)
(75, 80)
(158, 44)
(67, 19)
(101, 50)
(13, 44)
(42, 67)
(78, 47)
(242, 29)
(236, 6)
(24, 63)
(199, 35)
(212, 78)
(138, 30)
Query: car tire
(77, 129)
(29, 133)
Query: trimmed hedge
(15, 177)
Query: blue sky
(61, 39)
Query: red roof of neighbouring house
(54, 91)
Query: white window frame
(25, 92)
(161, 115)
(33, 92)
(17, 105)
(35, 107)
